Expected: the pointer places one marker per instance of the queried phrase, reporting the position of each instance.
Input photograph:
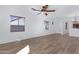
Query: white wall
(34, 25)
(73, 31)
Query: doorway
(66, 28)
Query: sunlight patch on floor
(25, 50)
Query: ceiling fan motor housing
(44, 8)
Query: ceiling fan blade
(50, 10)
(39, 13)
(35, 9)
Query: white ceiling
(61, 10)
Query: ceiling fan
(44, 9)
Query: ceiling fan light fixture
(46, 14)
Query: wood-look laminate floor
(50, 44)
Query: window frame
(18, 27)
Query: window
(46, 23)
(17, 23)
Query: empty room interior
(39, 29)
